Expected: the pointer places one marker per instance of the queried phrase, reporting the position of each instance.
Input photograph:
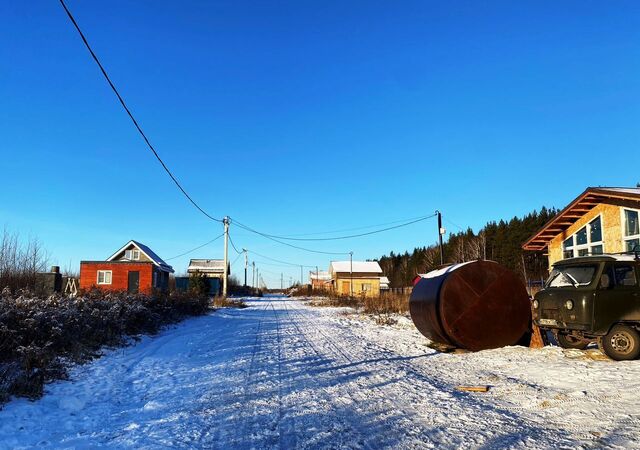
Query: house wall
(119, 277)
(143, 257)
(612, 233)
(342, 283)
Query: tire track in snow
(442, 399)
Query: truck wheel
(622, 343)
(568, 341)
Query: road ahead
(282, 374)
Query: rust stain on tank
(476, 305)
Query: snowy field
(281, 374)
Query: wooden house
(600, 220)
(357, 278)
(134, 268)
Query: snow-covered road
(282, 374)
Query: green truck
(593, 299)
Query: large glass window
(631, 230)
(586, 241)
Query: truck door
(617, 298)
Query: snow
(282, 374)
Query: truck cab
(593, 299)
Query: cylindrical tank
(475, 305)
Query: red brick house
(133, 268)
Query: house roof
(320, 276)
(586, 201)
(358, 266)
(148, 252)
(206, 265)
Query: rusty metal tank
(476, 305)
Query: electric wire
(194, 249)
(291, 245)
(336, 238)
(278, 260)
(234, 245)
(403, 223)
(133, 119)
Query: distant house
(384, 283)
(365, 276)
(600, 220)
(134, 268)
(210, 268)
(320, 280)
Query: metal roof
(358, 266)
(206, 265)
(584, 203)
(148, 252)
(597, 258)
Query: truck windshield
(571, 276)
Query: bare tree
(20, 261)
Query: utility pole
(300, 276)
(253, 274)
(317, 279)
(441, 231)
(351, 272)
(246, 265)
(225, 278)
(258, 278)
(281, 280)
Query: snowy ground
(281, 374)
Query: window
(366, 287)
(619, 275)
(567, 248)
(631, 230)
(132, 255)
(586, 241)
(104, 277)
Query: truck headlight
(568, 304)
(536, 304)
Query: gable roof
(148, 252)
(206, 265)
(584, 203)
(358, 266)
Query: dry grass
(382, 308)
(222, 302)
(40, 337)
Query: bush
(38, 335)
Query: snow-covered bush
(39, 337)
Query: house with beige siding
(600, 220)
(360, 278)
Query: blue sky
(297, 117)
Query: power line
(409, 220)
(278, 260)
(287, 244)
(135, 122)
(234, 245)
(336, 237)
(194, 249)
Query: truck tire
(622, 343)
(567, 341)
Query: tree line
(497, 241)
